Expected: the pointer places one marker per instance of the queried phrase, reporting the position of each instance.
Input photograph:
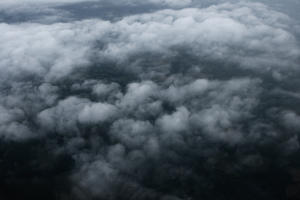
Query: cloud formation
(182, 103)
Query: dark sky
(149, 100)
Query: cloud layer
(179, 103)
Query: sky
(149, 100)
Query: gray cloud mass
(177, 100)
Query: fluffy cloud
(12, 125)
(171, 104)
(62, 118)
(176, 122)
(220, 32)
(291, 120)
(131, 133)
(98, 112)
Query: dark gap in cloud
(30, 170)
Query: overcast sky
(155, 99)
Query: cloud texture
(182, 102)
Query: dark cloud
(174, 101)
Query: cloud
(62, 118)
(176, 122)
(169, 104)
(96, 177)
(12, 125)
(291, 120)
(54, 51)
(177, 94)
(175, 3)
(98, 112)
(131, 133)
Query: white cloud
(225, 32)
(196, 88)
(137, 94)
(176, 122)
(97, 113)
(131, 133)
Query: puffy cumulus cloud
(104, 90)
(113, 138)
(291, 120)
(42, 50)
(175, 122)
(17, 109)
(136, 139)
(62, 118)
(139, 98)
(217, 32)
(197, 87)
(174, 104)
(12, 124)
(225, 32)
(131, 133)
(98, 112)
(96, 176)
